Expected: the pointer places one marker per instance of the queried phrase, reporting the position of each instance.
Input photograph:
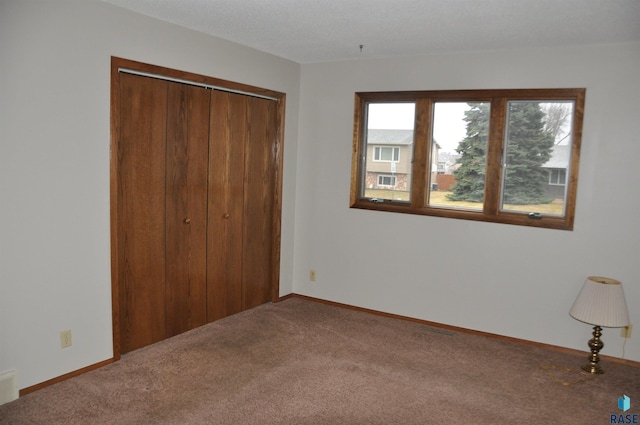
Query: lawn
(439, 199)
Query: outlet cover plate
(626, 331)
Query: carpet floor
(304, 362)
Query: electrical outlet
(312, 275)
(65, 338)
(626, 331)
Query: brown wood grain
(357, 149)
(196, 78)
(421, 153)
(114, 219)
(227, 143)
(258, 202)
(141, 196)
(495, 151)
(276, 216)
(186, 207)
(196, 184)
(493, 184)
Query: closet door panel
(141, 200)
(226, 193)
(186, 207)
(258, 201)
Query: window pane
(537, 156)
(386, 180)
(389, 151)
(459, 154)
(386, 154)
(562, 177)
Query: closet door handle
(226, 216)
(187, 220)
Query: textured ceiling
(308, 31)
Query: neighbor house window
(557, 177)
(386, 154)
(386, 180)
(507, 156)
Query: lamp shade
(601, 302)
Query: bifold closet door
(241, 196)
(141, 206)
(227, 140)
(259, 198)
(162, 167)
(186, 207)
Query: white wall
(497, 278)
(509, 280)
(54, 166)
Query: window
(506, 156)
(388, 143)
(386, 154)
(557, 177)
(386, 180)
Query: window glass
(537, 156)
(459, 154)
(504, 156)
(389, 151)
(557, 177)
(386, 180)
(386, 154)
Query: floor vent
(8, 386)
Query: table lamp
(600, 303)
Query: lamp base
(595, 369)
(595, 344)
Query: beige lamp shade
(601, 302)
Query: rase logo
(624, 404)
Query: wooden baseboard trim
(565, 350)
(465, 330)
(286, 297)
(64, 377)
(78, 372)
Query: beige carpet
(302, 362)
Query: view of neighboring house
(389, 158)
(557, 166)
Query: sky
(449, 128)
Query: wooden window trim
(420, 183)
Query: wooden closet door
(259, 198)
(241, 196)
(186, 207)
(141, 204)
(195, 200)
(227, 142)
(163, 156)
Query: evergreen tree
(471, 172)
(528, 148)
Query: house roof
(560, 155)
(389, 137)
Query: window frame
(559, 172)
(394, 150)
(421, 175)
(389, 176)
